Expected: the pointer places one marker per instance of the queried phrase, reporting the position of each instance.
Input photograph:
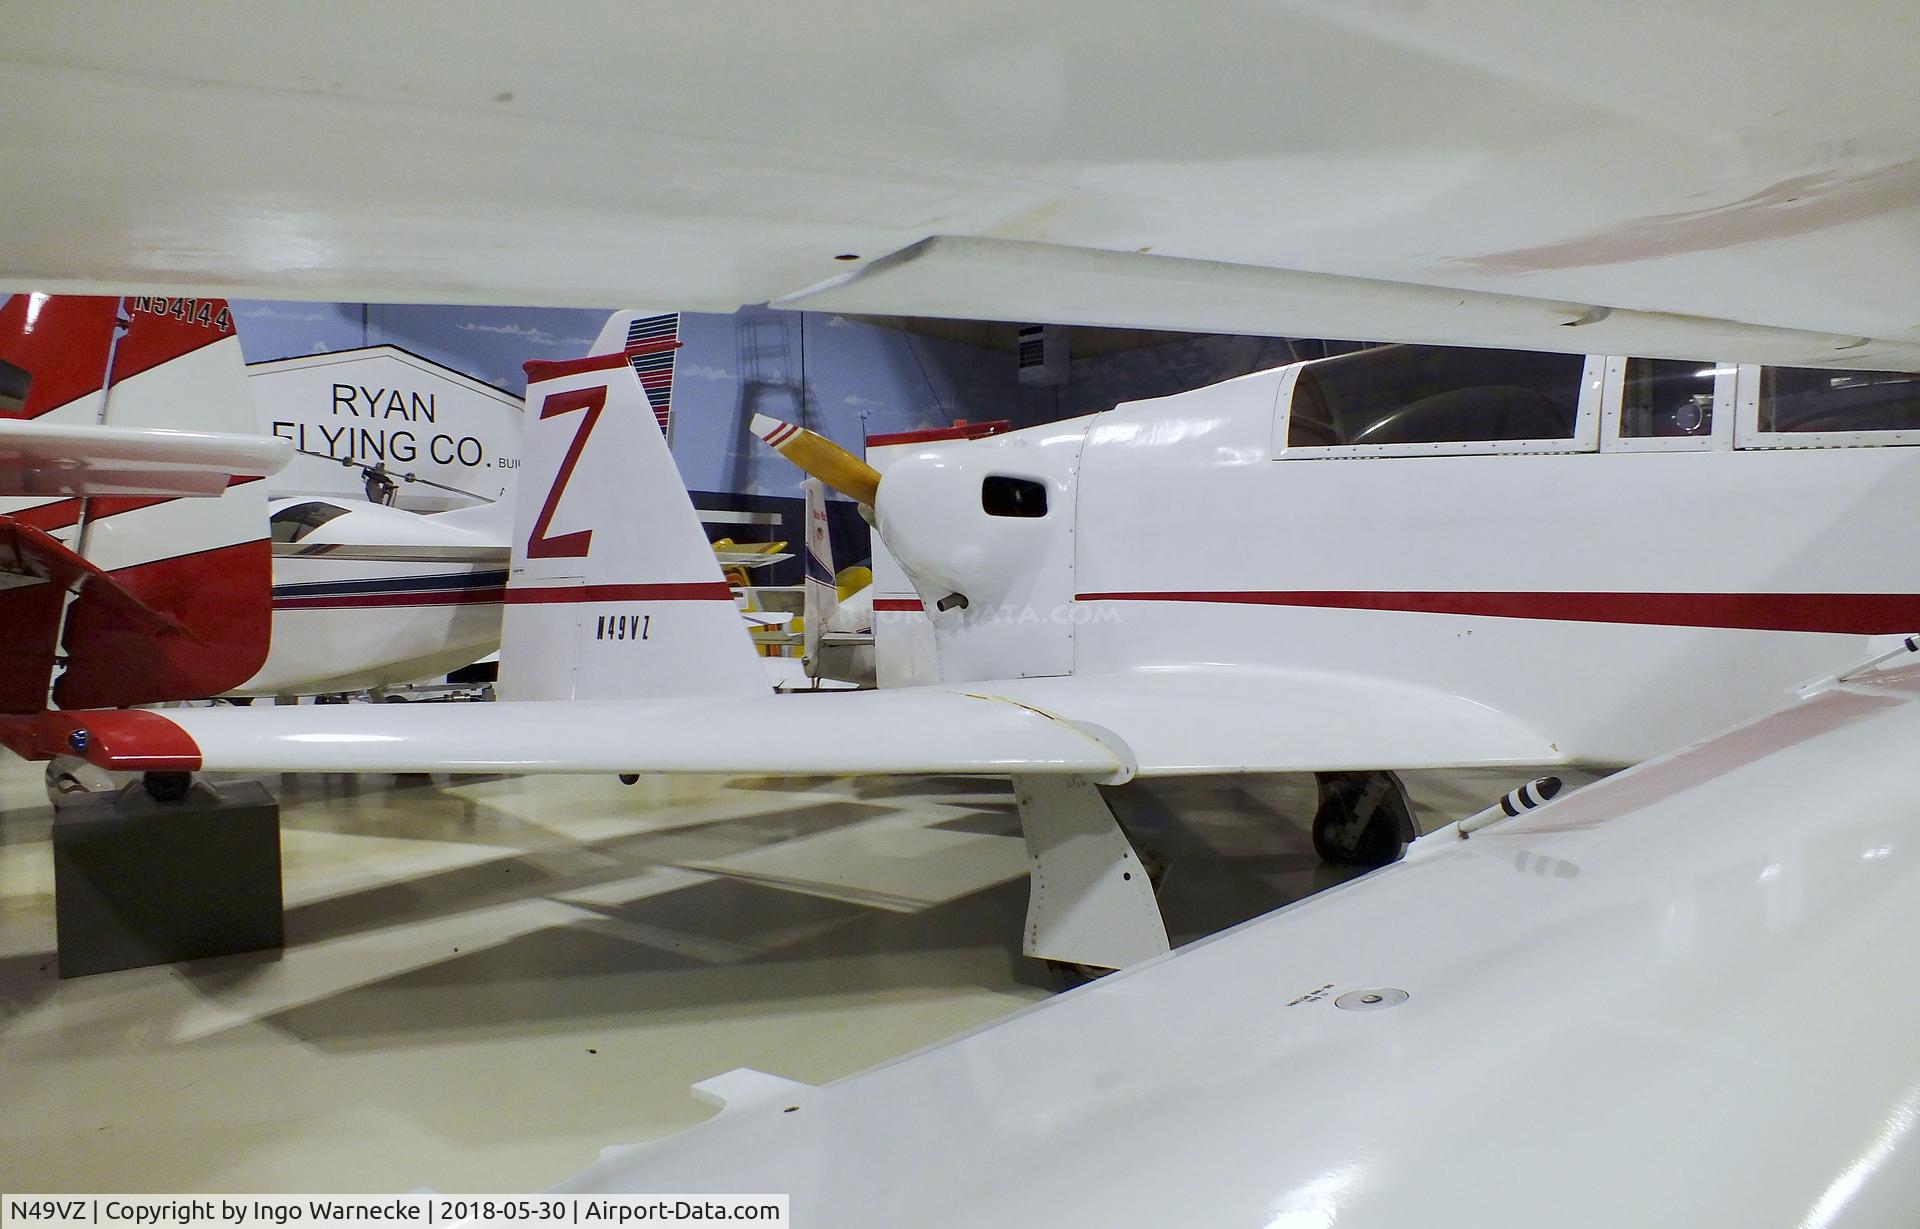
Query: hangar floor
(486, 980)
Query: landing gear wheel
(1070, 974)
(167, 786)
(1363, 819)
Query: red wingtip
(119, 740)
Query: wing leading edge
(1108, 727)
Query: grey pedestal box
(139, 882)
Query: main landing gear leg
(1363, 819)
(1091, 906)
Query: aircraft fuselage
(1621, 594)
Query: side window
(291, 524)
(1666, 398)
(1435, 395)
(14, 383)
(1809, 400)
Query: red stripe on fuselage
(694, 591)
(931, 435)
(1866, 614)
(897, 603)
(462, 597)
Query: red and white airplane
(134, 566)
(1676, 997)
(362, 595)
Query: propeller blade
(820, 458)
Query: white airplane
(1620, 1011)
(1091, 619)
(367, 596)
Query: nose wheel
(1363, 818)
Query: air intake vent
(1044, 358)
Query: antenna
(381, 481)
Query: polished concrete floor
(487, 980)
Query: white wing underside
(60, 460)
(984, 278)
(1673, 180)
(1110, 727)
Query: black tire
(1070, 976)
(1378, 843)
(167, 786)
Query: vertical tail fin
(650, 341)
(614, 591)
(201, 567)
(820, 598)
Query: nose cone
(924, 511)
(933, 517)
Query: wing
(1669, 974)
(58, 459)
(1476, 173)
(987, 278)
(1112, 727)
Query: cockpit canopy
(295, 521)
(1433, 394)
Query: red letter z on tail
(567, 545)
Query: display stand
(141, 882)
